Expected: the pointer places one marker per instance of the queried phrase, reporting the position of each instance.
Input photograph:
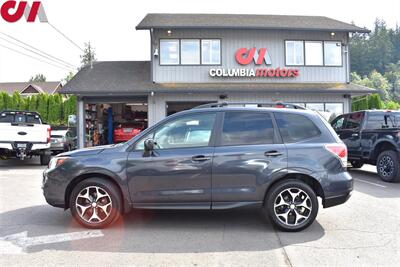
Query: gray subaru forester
(281, 158)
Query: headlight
(55, 162)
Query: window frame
(285, 51)
(322, 55)
(276, 140)
(341, 54)
(304, 53)
(201, 51)
(179, 52)
(153, 130)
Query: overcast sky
(110, 27)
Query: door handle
(354, 135)
(200, 158)
(273, 153)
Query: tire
(293, 222)
(108, 212)
(387, 166)
(356, 164)
(45, 159)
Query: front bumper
(53, 191)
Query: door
(348, 127)
(178, 173)
(247, 155)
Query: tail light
(339, 150)
(48, 134)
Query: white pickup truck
(23, 134)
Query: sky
(110, 27)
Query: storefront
(198, 58)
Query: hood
(86, 151)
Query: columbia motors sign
(13, 11)
(259, 57)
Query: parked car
(23, 134)
(125, 131)
(63, 140)
(215, 158)
(372, 137)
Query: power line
(66, 37)
(46, 55)
(38, 59)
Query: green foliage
(373, 101)
(89, 55)
(69, 107)
(68, 77)
(42, 106)
(392, 105)
(38, 78)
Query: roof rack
(246, 104)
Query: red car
(124, 132)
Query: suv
(215, 157)
(372, 137)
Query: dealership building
(203, 58)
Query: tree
(68, 77)
(373, 80)
(88, 56)
(42, 106)
(38, 78)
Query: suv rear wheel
(45, 159)
(95, 203)
(387, 166)
(292, 205)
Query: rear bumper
(338, 189)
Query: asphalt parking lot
(364, 231)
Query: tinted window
(19, 118)
(354, 120)
(295, 127)
(247, 128)
(187, 131)
(382, 120)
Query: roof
(241, 21)
(41, 87)
(124, 78)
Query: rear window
(247, 128)
(19, 118)
(383, 120)
(295, 127)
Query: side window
(338, 123)
(247, 128)
(295, 127)
(140, 145)
(354, 120)
(187, 131)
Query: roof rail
(244, 104)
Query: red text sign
(12, 11)
(245, 56)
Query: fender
(380, 141)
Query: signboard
(244, 56)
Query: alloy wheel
(386, 166)
(292, 206)
(93, 204)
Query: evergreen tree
(42, 106)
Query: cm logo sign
(245, 56)
(12, 11)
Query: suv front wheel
(292, 205)
(95, 203)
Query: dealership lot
(363, 231)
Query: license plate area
(127, 130)
(21, 145)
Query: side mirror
(149, 145)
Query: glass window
(169, 52)
(188, 131)
(354, 120)
(333, 53)
(338, 123)
(335, 108)
(211, 52)
(294, 127)
(140, 145)
(315, 106)
(247, 128)
(190, 52)
(294, 52)
(314, 53)
(382, 121)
